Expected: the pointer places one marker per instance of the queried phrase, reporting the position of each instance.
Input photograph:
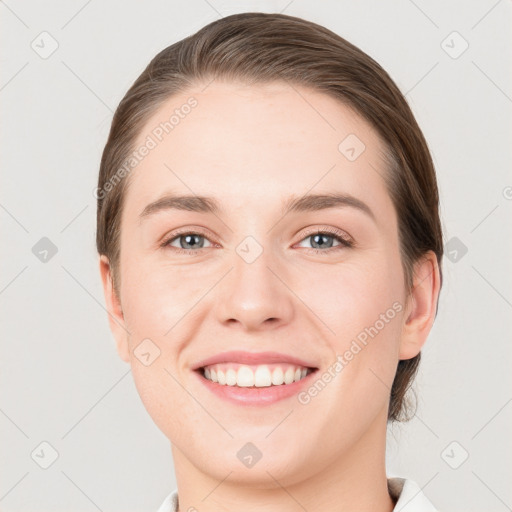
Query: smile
(265, 375)
(254, 385)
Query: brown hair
(263, 47)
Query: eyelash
(345, 242)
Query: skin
(251, 147)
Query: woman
(270, 250)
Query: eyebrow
(306, 203)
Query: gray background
(61, 379)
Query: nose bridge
(252, 294)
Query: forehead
(245, 144)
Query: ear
(115, 312)
(421, 306)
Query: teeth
(254, 376)
(262, 377)
(289, 376)
(245, 378)
(277, 377)
(231, 377)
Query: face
(320, 282)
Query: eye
(189, 242)
(321, 240)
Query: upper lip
(254, 358)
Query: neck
(356, 481)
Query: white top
(409, 495)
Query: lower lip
(255, 396)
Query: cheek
(157, 302)
(364, 362)
(157, 297)
(163, 397)
(363, 306)
(354, 296)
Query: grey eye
(322, 240)
(189, 241)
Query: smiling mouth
(254, 376)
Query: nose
(254, 295)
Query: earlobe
(422, 304)
(114, 309)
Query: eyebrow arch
(199, 204)
(315, 202)
(307, 203)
